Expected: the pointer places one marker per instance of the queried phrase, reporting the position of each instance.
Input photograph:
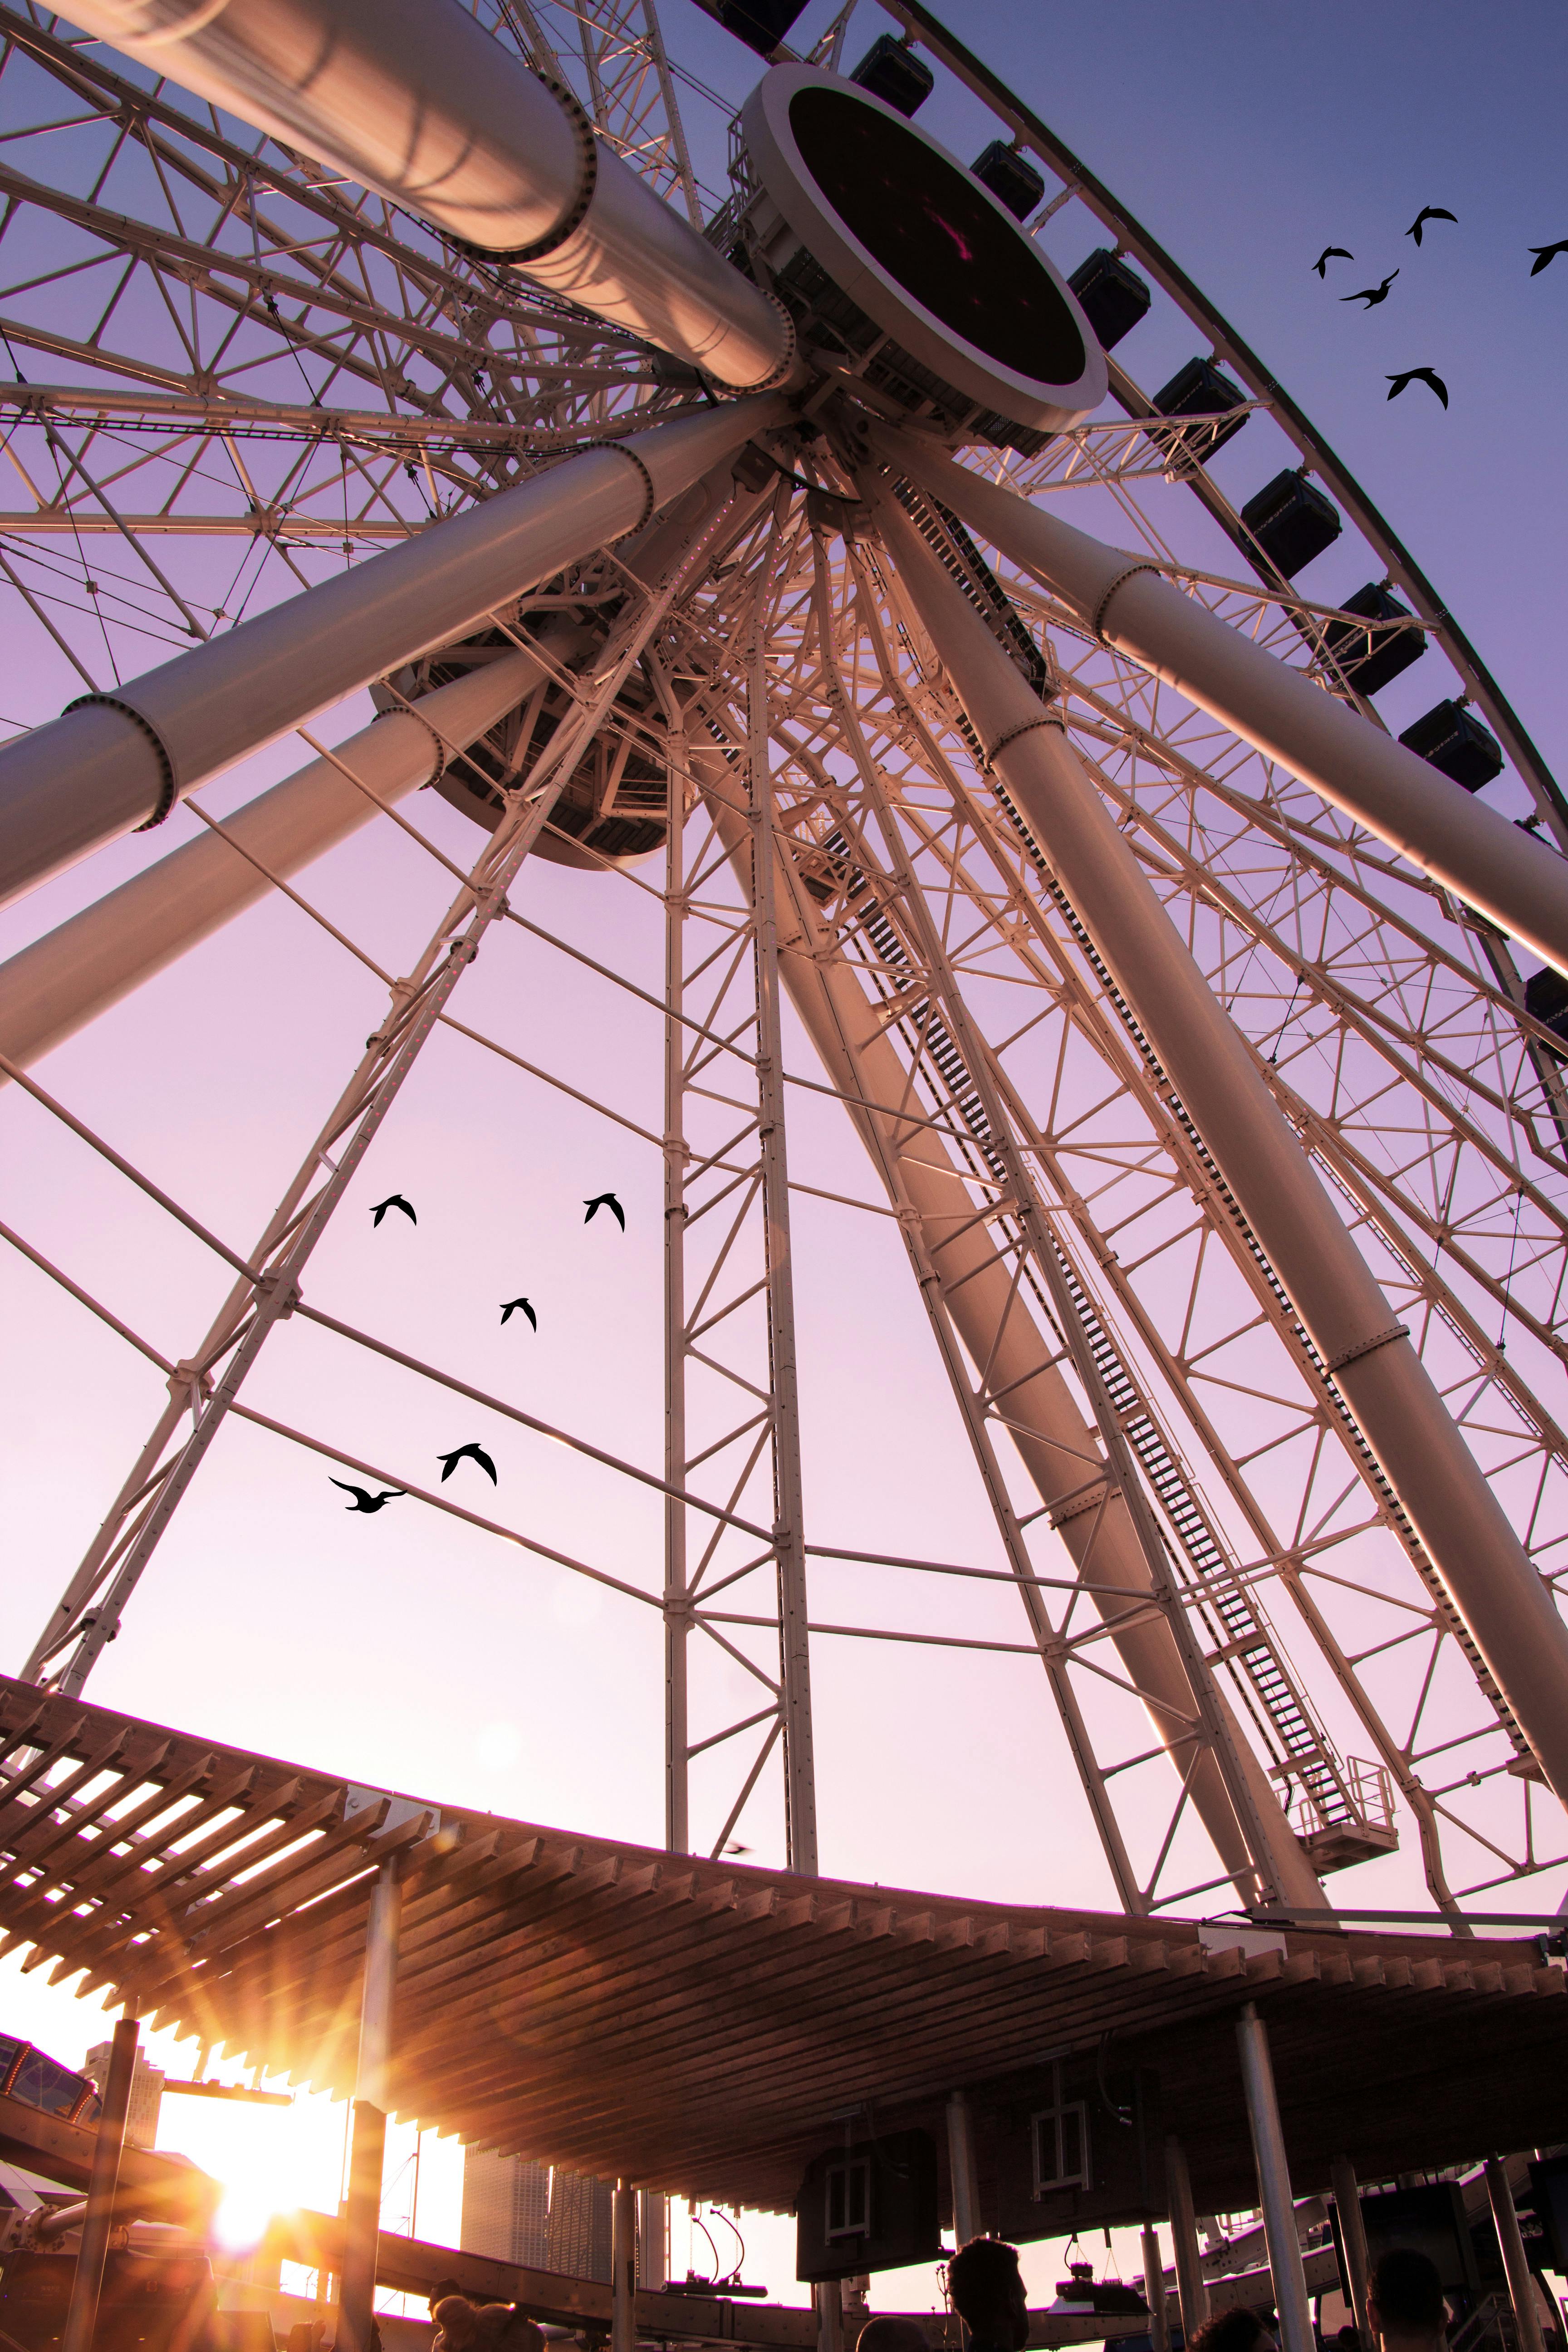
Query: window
(848, 2188)
(1061, 2134)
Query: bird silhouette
(1545, 253)
(1426, 213)
(506, 1313)
(1372, 295)
(735, 1846)
(1331, 253)
(394, 1200)
(605, 1200)
(475, 1453)
(366, 1501)
(1419, 375)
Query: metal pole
(413, 98)
(1473, 850)
(623, 2267)
(960, 2165)
(828, 2298)
(1508, 1609)
(53, 988)
(1276, 1856)
(122, 761)
(362, 2218)
(81, 2316)
(1521, 2284)
(677, 1605)
(1274, 2185)
(789, 1535)
(653, 2239)
(1154, 2290)
(1191, 2291)
(1353, 2239)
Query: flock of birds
(1373, 295)
(362, 1499)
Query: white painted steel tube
(54, 987)
(1508, 1609)
(1353, 2238)
(413, 99)
(93, 774)
(1514, 880)
(1154, 2290)
(1192, 2294)
(1056, 1443)
(623, 2267)
(1274, 2191)
(1515, 2262)
(961, 2168)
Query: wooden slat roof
(698, 2027)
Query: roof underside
(703, 2029)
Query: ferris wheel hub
(885, 248)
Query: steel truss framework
(233, 347)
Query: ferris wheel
(801, 557)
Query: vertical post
(1191, 2291)
(81, 2317)
(789, 1537)
(960, 2166)
(829, 2300)
(653, 2239)
(1154, 2290)
(623, 2268)
(1353, 2238)
(1274, 2192)
(677, 1606)
(1520, 2285)
(361, 2214)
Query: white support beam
(1518, 883)
(121, 760)
(1509, 1613)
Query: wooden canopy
(704, 2029)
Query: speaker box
(1429, 2220)
(869, 2207)
(1087, 2151)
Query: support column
(828, 2295)
(1520, 2285)
(789, 1534)
(623, 2267)
(362, 2216)
(1274, 2191)
(1353, 2238)
(1507, 1609)
(677, 1606)
(1154, 2290)
(960, 2165)
(653, 2240)
(81, 2316)
(1191, 2291)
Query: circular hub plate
(922, 247)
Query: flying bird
(506, 1313)
(1426, 213)
(1545, 253)
(1372, 295)
(605, 1200)
(1419, 375)
(394, 1201)
(363, 1500)
(1331, 253)
(735, 1846)
(475, 1453)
